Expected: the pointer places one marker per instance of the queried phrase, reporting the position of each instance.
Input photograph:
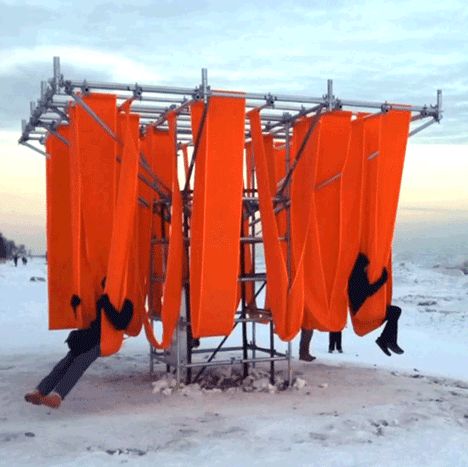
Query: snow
(352, 409)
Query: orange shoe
(34, 397)
(52, 400)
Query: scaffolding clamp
(137, 91)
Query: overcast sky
(400, 51)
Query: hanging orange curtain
(172, 288)
(59, 233)
(138, 277)
(325, 283)
(216, 216)
(80, 268)
(286, 303)
(122, 232)
(385, 146)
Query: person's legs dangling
(74, 372)
(388, 339)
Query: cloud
(375, 50)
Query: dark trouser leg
(338, 341)
(331, 341)
(390, 332)
(49, 382)
(306, 336)
(389, 336)
(78, 366)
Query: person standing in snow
(334, 342)
(84, 345)
(15, 260)
(304, 345)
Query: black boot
(383, 345)
(391, 336)
(395, 348)
(306, 336)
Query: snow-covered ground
(357, 408)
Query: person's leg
(331, 342)
(304, 345)
(49, 382)
(388, 338)
(393, 315)
(338, 342)
(79, 365)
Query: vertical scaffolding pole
(56, 78)
(253, 252)
(244, 305)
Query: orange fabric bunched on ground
(385, 147)
(172, 287)
(216, 216)
(59, 233)
(122, 234)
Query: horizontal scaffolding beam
(153, 103)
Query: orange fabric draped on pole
(216, 217)
(286, 303)
(385, 147)
(122, 232)
(325, 278)
(59, 233)
(93, 160)
(172, 289)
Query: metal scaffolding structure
(153, 103)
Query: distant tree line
(8, 248)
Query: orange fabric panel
(276, 162)
(138, 277)
(59, 234)
(197, 220)
(83, 286)
(97, 155)
(353, 178)
(216, 217)
(170, 310)
(325, 280)
(381, 193)
(93, 172)
(93, 178)
(122, 233)
(286, 305)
